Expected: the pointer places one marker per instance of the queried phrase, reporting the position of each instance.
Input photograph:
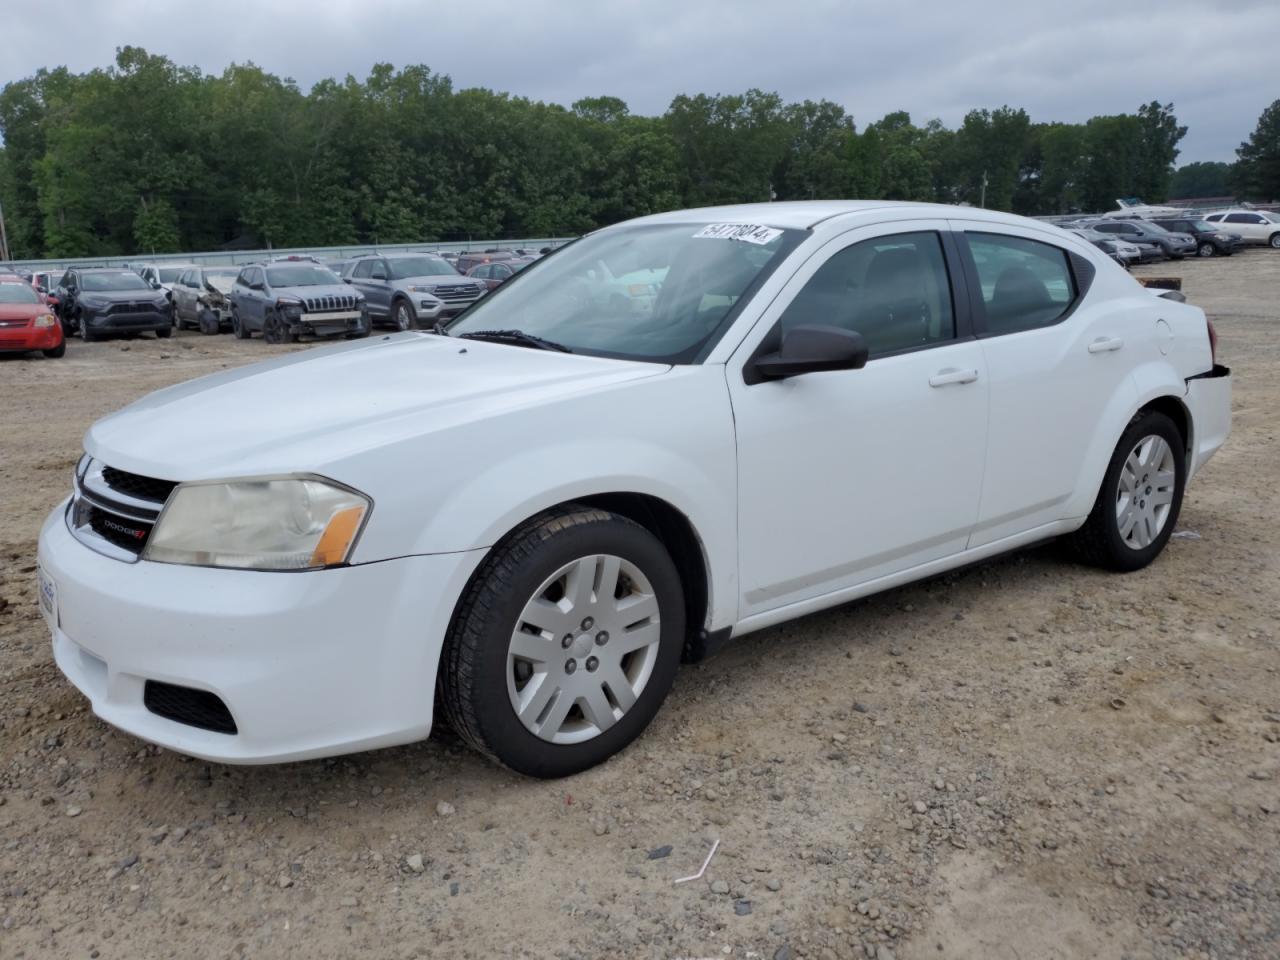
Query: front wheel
(56, 352)
(1275, 241)
(1206, 249)
(402, 315)
(1141, 494)
(565, 643)
(208, 322)
(237, 326)
(164, 332)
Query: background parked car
(468, 261)
(1124, 253)
(1254, 226)
(163, 276)
(1211, 238)
(101, 302)
(1175, 246)
(408, 290)
(26, 322)
(495, 274)
(201, 298)
(288, 299)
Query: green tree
(1208, 179)
(1257, 173)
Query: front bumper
(313, 324)
(127, 322)
(1209, 401)
(21, 339)
(308, 664)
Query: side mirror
(378, 275)
(812, 349)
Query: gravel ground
(1025, 759)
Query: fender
(1151, 381)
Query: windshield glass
(301, 276)
(404, 267)
(657, 292)
(170, 274)
(17, 293)
(124, 280)
(1273, 217)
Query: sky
(1062, 60)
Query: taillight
(1213, 341)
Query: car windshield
(1199, 226)
(301, 275)
(170, 274)
(18, 293)
(1272, 217)
(124, 280)
(656, 292)
(404, 267)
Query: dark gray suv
(408, 290)
(289, 299)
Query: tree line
(149, 156)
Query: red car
(498, 272)
(26, 322)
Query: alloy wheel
(1144, 494)
(404, 319)
(583, 649)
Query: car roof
(806, 214)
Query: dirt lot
(1028, 759)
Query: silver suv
(410, 290)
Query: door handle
(1105, 344)
(952, 375)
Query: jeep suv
(289, 299)
(408, 290)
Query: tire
(237, 328)
(1206, 249)
(402, 316)
(164, 333)
(274, 330)
(482, 677)
(87, 333)
(1274, 241)
(1102, 541)
(208, 323)
(58, 351)
(1172, 254)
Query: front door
(848, 476)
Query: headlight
(292, 523)
(45, 320)
(290, 308)
(93, 303)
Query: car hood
(319, 290)
(310, 409)
(21, 311)
(138, 294)
(220, 283)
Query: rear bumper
(1209, 401)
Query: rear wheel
(565, 644)
(1141, 496)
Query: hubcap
(583, 649)
(1144, 495)
(402, 317)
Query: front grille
(145, 488)
(132, 307)
(14, 323)
(125, 532)
(114, 511)
(195, 708)
(460, 291)
(327, 303)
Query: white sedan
(530, 521)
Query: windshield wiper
(515, 336)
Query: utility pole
(4, 236)
(983, 202)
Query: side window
(500, 271)
(1214, 217)
(362, 269)
(893, 290)
(1025, 284)
(1243, 218)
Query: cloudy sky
(1059, 59)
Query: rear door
(1249, 225)
(1055, 361)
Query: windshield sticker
(747, 232)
